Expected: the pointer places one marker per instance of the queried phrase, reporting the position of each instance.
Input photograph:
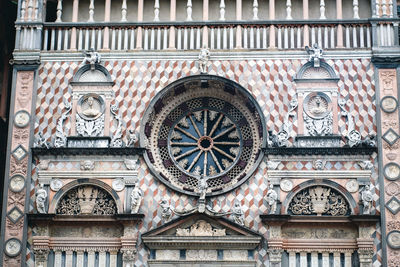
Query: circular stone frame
(388, 166)
(389, 98)
(189, 94)
(322, 95)
(12, 255)
(389, 236)
(24, 113)
(15, 177)
(83, 99)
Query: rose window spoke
(215, 148)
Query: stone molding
(321, 174)
(46, 176)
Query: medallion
(12, 247)
(17, 183)
(21, 118)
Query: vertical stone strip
(390, 158)
(17, 170)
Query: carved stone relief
(87, 199)
(319, 233)
(200, 228)
(318, 200)
(235, 255)
(387, 78)
(167, 255)
(90, 115)
(87, 231)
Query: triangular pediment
(199, 230)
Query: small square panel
(19, 153)
(15, 214)
(390, 136)
(393, 205)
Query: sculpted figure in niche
(41, 196)
(272, 198)
(136, 198)
(367, 198)
(131, 138)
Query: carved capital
(275, 257)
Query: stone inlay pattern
(269, 81)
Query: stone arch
(173, 104)
(340, 190)
(80, 182)
(324, 72)
(86, 75)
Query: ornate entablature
(203, 134)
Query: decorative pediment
(200, 231)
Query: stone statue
(136, 198)
(41, 141)
(237, 213)
(131, 138)
(41, 197)
(167, 211)
(367, 198)
(204, 57)
(354, 138)
(315, 53)
(92, 57)
(272, 199)
(279, 140)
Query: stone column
(128, 242)
(275, 244)
(365, 245)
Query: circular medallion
(21, 118)
(56, 184)
(352, 186)
(392, 189)
(118, 184)
(391, 171)
(393, 239)
(203, 130)
(90, 106)
(17, 183)
(317, 105)
(389, 104)
(12, 247)
(286, 185)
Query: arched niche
(98, 192)
(86, 74)
(324, 72)
(311, 196)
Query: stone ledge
(43, 218)
(320, 150)
(88, 151)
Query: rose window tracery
(203, 131)
(87, 199)
(319, 200)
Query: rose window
(202, 130)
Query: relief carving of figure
(91, 111)
(166, 210)
(272, 199)
(367, 198)
(136, 198)
(41, 197)
(315, 53)
(131, 138)
(237, 212)
(204, 57)
(41, 141)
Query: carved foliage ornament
(87, 199)
(319, 200)
(200, 228)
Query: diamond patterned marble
(19, 153)
(271, 84)
(390, 136)
(15, 214)
(393, 205)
